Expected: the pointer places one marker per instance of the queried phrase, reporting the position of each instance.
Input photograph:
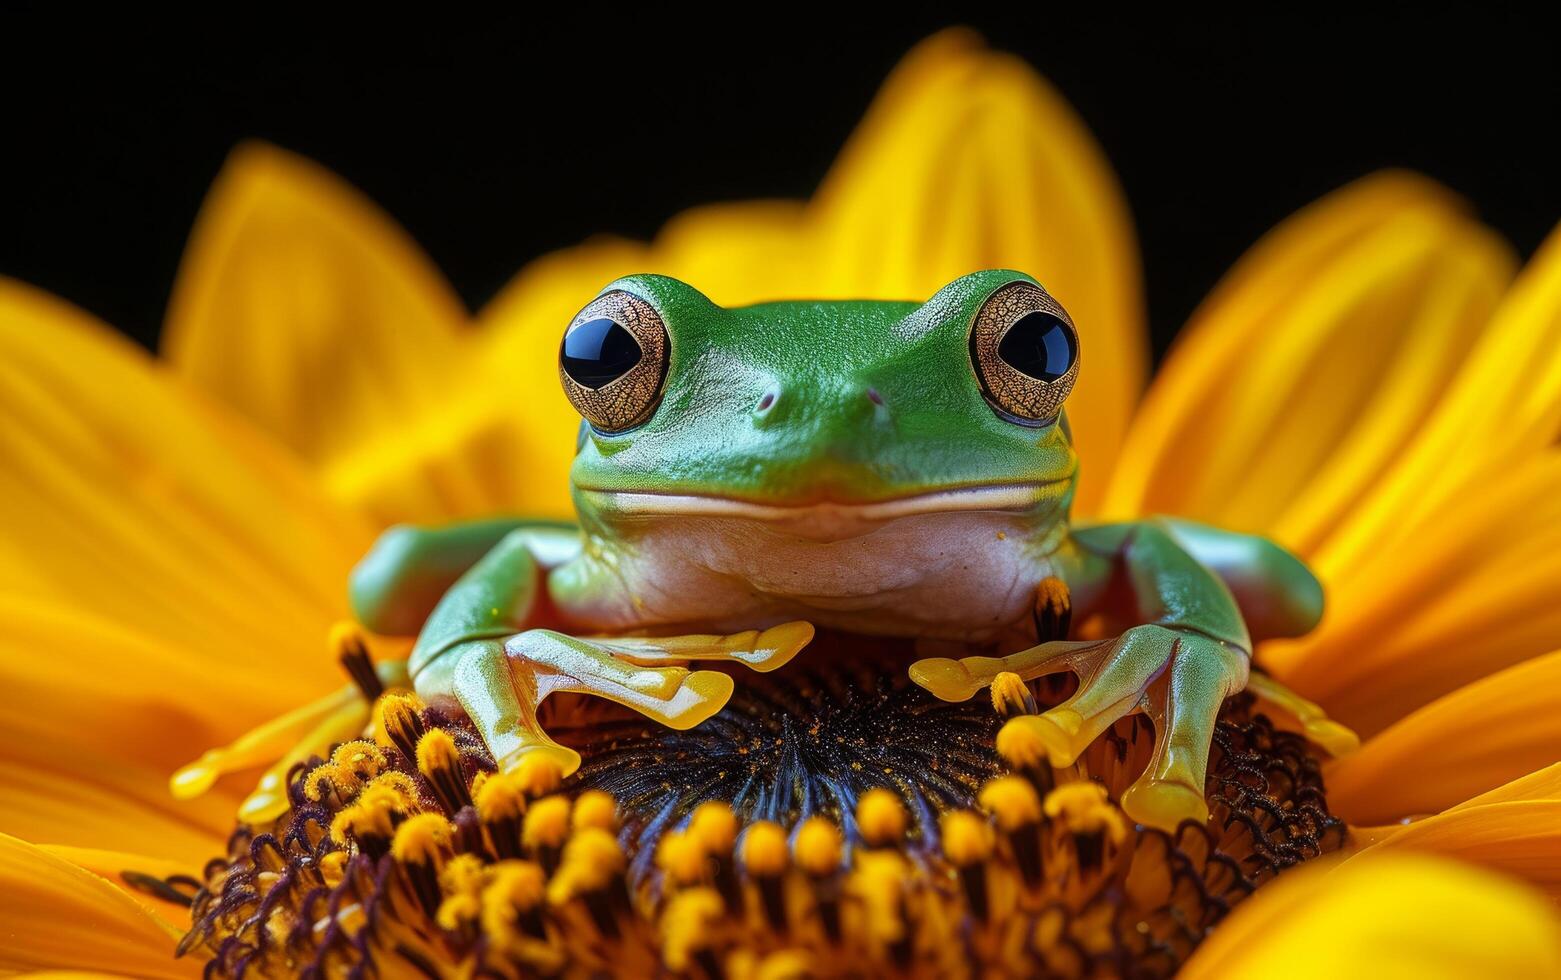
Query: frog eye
(1025, 353)
(613, 360)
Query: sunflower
(1375, 385)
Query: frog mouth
(1002, 498)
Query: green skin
(839, 463)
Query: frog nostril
(765, 402)
(874, 397)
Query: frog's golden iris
(177, 536)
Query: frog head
(824, 414)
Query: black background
(484, 133)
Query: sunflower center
(832, 819)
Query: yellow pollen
(345, 825)
(881, 817)
(1011, 695)
(818, 847)
(967, 839)
(458, 911)
(377, 813)
(464, 874)
(322, 779)
(539, 773)
(502, 796)
(591, 859)
(331, 864)
(547, 823)
(520, 883)
(687, 926)
(517, 886)
(1021, 742)
(880, 880)
(396, 786)
(1053, 591)
(764, 849)
(1083, 807)
(359, 758)
(436, 751)
(1012, 801)
(594, 808)
(346, 637)
(422, 839)
(1026, 884)
(715, 826)
(787, 964)
(398, 721)
(683, 857)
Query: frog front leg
(483, 647)
(1191, 652)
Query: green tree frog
(890, 468)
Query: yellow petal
(118, 808)
(100, 718)
(1519, 838)
(1503, 406)
(129, 495)
(1396, 916)
(1515, 828)
(969, 160)
(1310, 368)
(1479, 737)
(308, 310)
(966, 160)
(114, 865)
(1469, 592)
(54, 915)
(1540, 785)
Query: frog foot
(1336, 739)
(501, 687)
(1179, 678)
(293, 738)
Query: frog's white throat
(956, 564)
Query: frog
(746, 475)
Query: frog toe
(1164, 804)
(959, 680)
(542, 766)
(1183, 704)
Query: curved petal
(968, 160)
(114, 865)
(308, 310)
(1503, 405)
(1520, 838)
(1515, 828)
(1397, 916)
(55, 915)
(502, 441)
(104, 717)
(1477, 738)
(1468, 592)
(130, 495)
(1313, 364)
(118, 808)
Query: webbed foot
(501, 686)
(1335, 738)
(1178, 677)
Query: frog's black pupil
(1040, 345)
(598, 352)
